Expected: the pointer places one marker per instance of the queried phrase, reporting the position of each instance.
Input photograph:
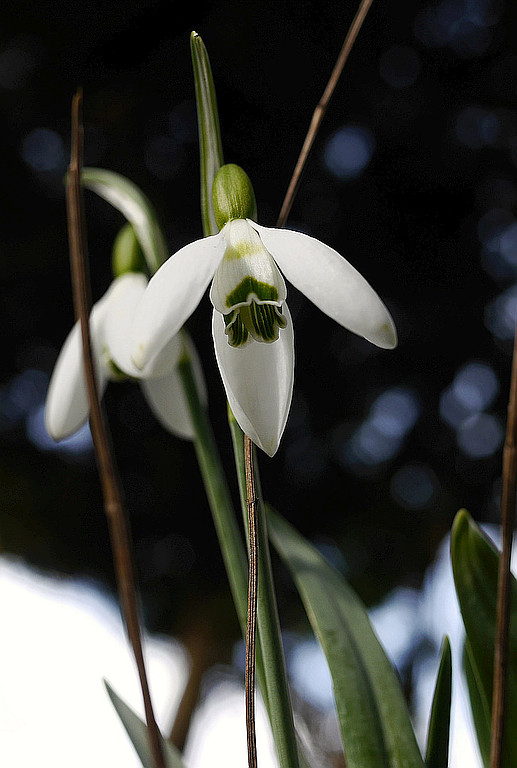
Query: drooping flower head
(247, 289)
(67, 405)
(252, 327)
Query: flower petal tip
(54, 434)
(270, 450)
(387, 336)
(56, 423)
(139, 355)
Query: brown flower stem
(112, 495)
(251, 624)
(321, 108)
(501, 652)
(251, 497)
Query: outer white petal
(67, 404)
(126, 293)
(334, 285)
(167, 398)
(258, 380)
(172, 295)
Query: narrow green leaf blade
(210, 147)
(373, 715)
(475, 566)
(137, 732)
(479, 705)
(437, 754)
(124, 195)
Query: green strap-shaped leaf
(475, 566)
(135, 206)
(373, 716)
(137, 732)
(437, 754)
(478, 703)
(210, 147)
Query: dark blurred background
(412, 178)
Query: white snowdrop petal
(166, 396)
(126, 293)
(172, 295)
(334, 285)
(258, 380)
(67, 405)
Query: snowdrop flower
(67, 406)
(251, 324)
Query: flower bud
(232, 195)
(127, 256)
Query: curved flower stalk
(110, 320)
(252, 327)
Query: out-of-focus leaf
(135, 206)
(373, 716)
(478, 703)
(137, 732)
(210, 147)
(475, 565)
(437, 754)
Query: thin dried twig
(501, 653)
(112, 496)
(251, 623)
(321, 108)
(251, 500)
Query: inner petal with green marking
(248, 288)
(261, 322)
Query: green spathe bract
(232, 195)
(127, 255)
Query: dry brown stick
(501, 654)
(112, 496)
(251, 502)
(251, 622)
(321, 108)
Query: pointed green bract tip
(232, 195)
(461, 522)
(127, 256)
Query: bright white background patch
(59, 638)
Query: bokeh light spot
(395, 412)
(414, 486)
(44, 151)
(480, 436)
(476, 386)
(501, 314)
(349, 151)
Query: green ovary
(261, 322)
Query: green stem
(270, 641)
(219, 498)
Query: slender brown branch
(501, 653)
(112, 496)
(321, 108)
(251, 624)
(251, 498)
